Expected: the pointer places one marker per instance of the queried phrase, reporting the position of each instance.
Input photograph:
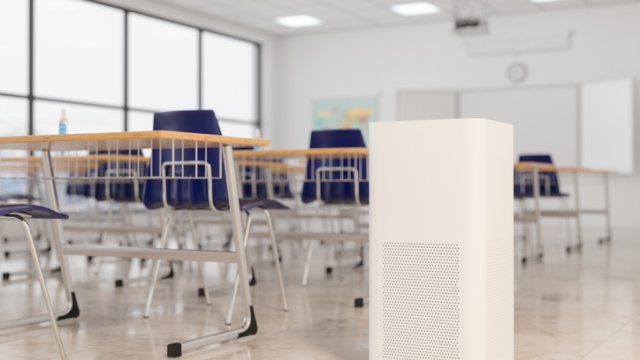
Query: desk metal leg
(249, 325)
(236, 283)
(576, 187)
(538, 215)
(607, 208)
(155, 268)
(201, 270)
(276, 258)
(72, 309)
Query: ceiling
(347, 14)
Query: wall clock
(517, 72)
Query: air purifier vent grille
(421, 301)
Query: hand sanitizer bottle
(62, 124)
(257, 134)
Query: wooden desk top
(302, 152)
(530, 166)
(71, 163)
(123, 141)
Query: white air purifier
(441, 238)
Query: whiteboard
(607, 125)
(545, 119)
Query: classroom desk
(575, 172)
(76, 150)
(266, 167)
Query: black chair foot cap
(174, 350)
(328, 270)
(56, 270)
(253, 326)
(253, 280)
(119, 283)
(358, 302)
(75, 309)
(6, 276)
(201, 292)
(169, 275)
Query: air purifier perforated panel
(421, 301)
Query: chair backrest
(549, 183)
(254, 182)
(186, 193)
(334, 192)
(118, 190)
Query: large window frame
(125, 107)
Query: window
(140, 121)
(163, 65)
(82, 119)
(229, 77)
(81, 64)
(14, 49)
(79, 47)
(13, 116)
(237, 129)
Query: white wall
(389, 59)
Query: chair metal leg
(276, 257)
(236, 283)
(43, 286)
(567, 222)
(307, 265)
(195, 242)
(527, 232)
(156, 267)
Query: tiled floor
(568, 307)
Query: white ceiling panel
(345, 14)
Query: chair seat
(33, 211)
(529, 196)
(250, 204)
(267, 204)
(22, 197)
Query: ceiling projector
(470, 25)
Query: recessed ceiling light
(415, 8)
(295, 21)
(545, 1)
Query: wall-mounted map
(351, 113)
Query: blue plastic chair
(281, 188)
(119, 190)
(523, 188)
(339, 191)
(549, 183)
(21, 212)
(193, 194)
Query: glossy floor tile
(579, 306)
